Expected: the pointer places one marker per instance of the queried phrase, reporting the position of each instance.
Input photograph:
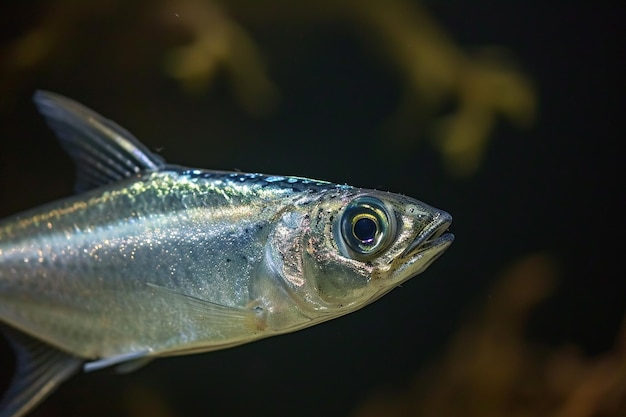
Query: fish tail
(39, 370)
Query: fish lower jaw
(438, 244)
(419, 260)
(432, 236)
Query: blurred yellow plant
(435, 71)
(218, 42)
(485, 86)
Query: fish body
(152, 260)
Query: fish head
(347, 248)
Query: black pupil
(365, 230)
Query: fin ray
(205, 313)
(40, 369)
(122, 359)
(103, 151)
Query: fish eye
(365, 227)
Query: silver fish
(151, 260)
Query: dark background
(555, 188)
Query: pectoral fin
(206, 313)
(40, 369)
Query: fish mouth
(433, 238)
(429, 244)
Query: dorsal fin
(103, 151)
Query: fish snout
(434, 235)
